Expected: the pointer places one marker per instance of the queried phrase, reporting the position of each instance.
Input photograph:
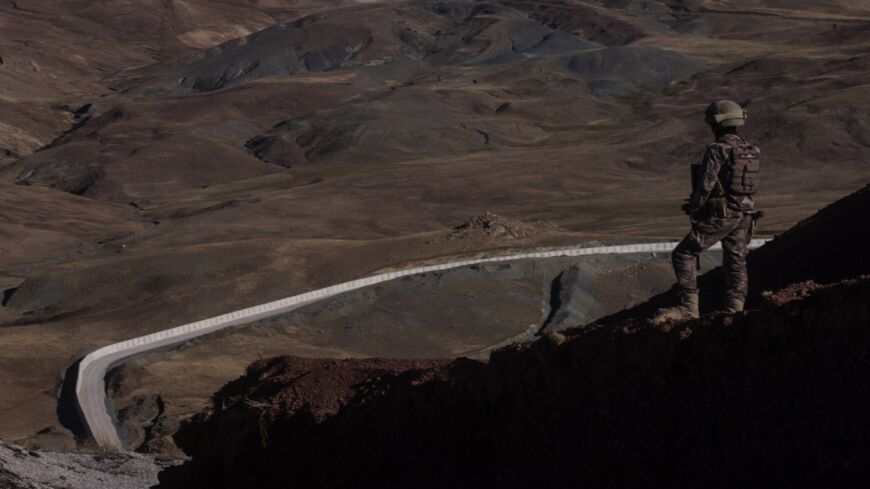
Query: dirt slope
(465, 312)
(827, 247)
(773, 396)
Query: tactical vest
(741, 175)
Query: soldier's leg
(735, 247)
(703, 235)
(684, 258)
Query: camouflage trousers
(734, 232)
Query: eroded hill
(173, 160)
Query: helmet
(725, 113)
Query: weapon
(756, 215)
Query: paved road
(90, 386)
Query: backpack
(741, 175)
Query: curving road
(90, 388)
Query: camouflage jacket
(705, 182)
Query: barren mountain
(165, 161)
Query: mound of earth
(334, 384)
(493, 226)
(775, 395)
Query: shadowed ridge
(774, 395)
(827, 247)
(771, 396)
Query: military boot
(733, 305)
(686, 309)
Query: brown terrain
(775, 396)
(464, 312)
(166, 161)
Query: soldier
(721, 208)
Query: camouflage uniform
(717, 214)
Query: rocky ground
(22, 468)
(772, 396)
(775, 396)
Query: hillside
(166, 161)
(772, 396)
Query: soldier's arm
(714, 157)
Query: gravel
(21, 468)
